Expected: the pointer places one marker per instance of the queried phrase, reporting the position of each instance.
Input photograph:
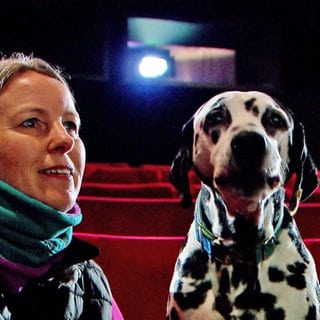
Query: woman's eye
(71, 126)
(30, 123)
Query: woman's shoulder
(77, 268)
(92, 279)
(93, 273)
(78, 260)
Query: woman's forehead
(35, 90)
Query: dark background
(277, 51)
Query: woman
(45, 273)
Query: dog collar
(212, 244)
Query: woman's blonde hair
(19, 62)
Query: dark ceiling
(87, 36)
(276, 43)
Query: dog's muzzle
(246, 172)
(248, 150)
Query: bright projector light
(153, 67)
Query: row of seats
(139, 270)
(162, 217)
(144, 181)
(134, 215)
(124, 173)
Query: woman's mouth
(65, 171)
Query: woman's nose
(60, 139)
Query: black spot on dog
(244, 273)
(196, 266)
(250, 106)
(173, 314)
(193, 299)
(247, 236)
(275, 314)
(255, 111)
(215, 134)
(298, 267)
(254, 300)
(237, 275)
(297, 279)
(247, 316)
(224, 282)
(249, 103)
(223, 304)
(312, 313)
(276, 275)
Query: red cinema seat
(140, 216)
(139, 270)
(315, 197)
(123, 175)
(308, 219)
(134, 216)
(163, 170)
(129, 190)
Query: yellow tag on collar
(296, 196)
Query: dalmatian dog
(243, 257)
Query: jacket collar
(78, 251)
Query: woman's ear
(181, 165)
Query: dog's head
(245, 145)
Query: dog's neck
(238, 232)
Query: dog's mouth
(246, 183)
(244, 192)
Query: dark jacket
(74, 288)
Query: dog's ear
(301, 164)
(182, 163)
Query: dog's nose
(248, 149)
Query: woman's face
(41, 153)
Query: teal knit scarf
(31, 232)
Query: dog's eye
(215, 117)
(273, 120)
(277, 121)
(219, 117)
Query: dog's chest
(263, 291)
(267, 290)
